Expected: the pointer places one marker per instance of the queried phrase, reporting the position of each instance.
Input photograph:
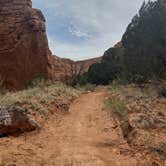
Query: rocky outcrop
(61, 69)
(83, 66)
(66, 69)
(24, 51)
(15, 120)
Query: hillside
(140, 56)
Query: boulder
(15, 120)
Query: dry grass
(145, 114)
(117, 106)
(133, 90)
(124, 96)
(40, 98)
(86, 87)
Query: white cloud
(71, 51)
(100, 22)
(75, 31)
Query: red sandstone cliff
(24, 51)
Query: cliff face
(61, 69)
(24, 51)
(84, 65)
(66, 69)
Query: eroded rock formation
(24, 51)
(66, 69)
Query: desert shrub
(86, 87)
(80, 80)
(2, 164)
(117, 106)
(40, 99)
(162, 92)
(90, 87)
(118, 82)
(138, 79)
(102, 73)
(38, 81)
(99, 74)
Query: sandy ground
(86, 136)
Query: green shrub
(80, 80)
(162, 92)
(118, 82)
(103, 73)
(138, 79)
(117, 106)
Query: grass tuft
(40, 98)
(117, 106)
(2, 164)
(86, 87)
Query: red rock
(15, 120)
(24, 51)
(66, 69)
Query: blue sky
(82, 29)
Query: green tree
(145, 41)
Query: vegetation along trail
(86, 136)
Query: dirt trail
(86, 136)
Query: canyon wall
(24, 51)
(66, 69)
